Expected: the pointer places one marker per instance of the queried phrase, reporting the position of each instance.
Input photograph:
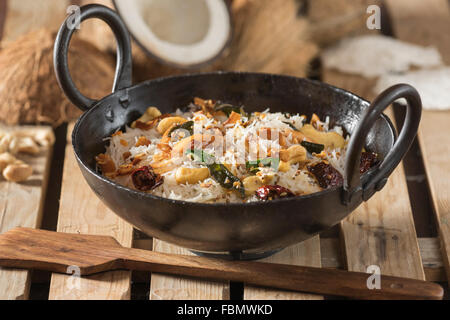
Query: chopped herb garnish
(218, 171)
(313, 147)
(253, 166)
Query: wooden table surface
(404, 229)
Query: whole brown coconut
(29, 92)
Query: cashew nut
(42, 136)
(26, 141)
(328, 139)
(168, 122)
(150, 114)
(294, 154)
(253, 183)
(5, 160)
(284, 166)
(26, 145)
(5, 142)
(191, 175)
(17, 172)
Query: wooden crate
(381, 232)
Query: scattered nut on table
(5, 142)
(5, 160)
(24, 145)
(27, 140)
(23, 141)
(42, 137)
(17, 172)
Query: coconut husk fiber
(29, 92)
(332, 20)
(270, 36)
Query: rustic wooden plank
(432, 259)
(81, 211)
(26, 15)
(434, 139)
(306, 253)
(431, 18)
(380, 232)
(21, 205)
(164, 287)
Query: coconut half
(182, 33)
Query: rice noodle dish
(213, 152)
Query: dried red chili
(145, 179)
(368, 160)
(327, 176)
(273, 192)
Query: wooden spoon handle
(295, 278)
(55, 252)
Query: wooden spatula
(56, 252)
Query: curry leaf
(188, 126)
(313, 147)
(218, 171)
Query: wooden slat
(81, 211)
(306, 253)
(178, 288)
(22, 205)
(380, 232)
(434, 139)
(434, 134)
(27, 15)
